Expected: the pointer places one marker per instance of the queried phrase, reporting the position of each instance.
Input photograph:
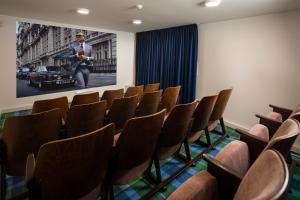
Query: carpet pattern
(141, 186)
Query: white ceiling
(117, 14)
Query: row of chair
(241, 162)
(173, 133)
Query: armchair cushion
(260, 131)
(200, 186)
(235, 155)
(275, 116)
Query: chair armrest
(255, 144)
(228, 180)
(30, 166)
(271, 124)
(285, 112)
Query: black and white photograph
(54, 59)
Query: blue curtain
(168, 56)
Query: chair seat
(200, 186)
(235, 156)
(212, 125)
(116, 137)
(275, 116)
(260, 131)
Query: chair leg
(223, 127)
(187, 150)
(157, 170)
(3, 183)
(3, 160)
(111, 192)
(207, 136)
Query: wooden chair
(23, 135)
(169, 98)
(87, 98)
(134, 148)
(200, 122)
(49, 104)
(149, 103)
(85, 118)
(173, 134)
(121, 110)
(151, 87)
(73, 168)
(267, 178)
(218, 111)
(110, 95)
(135, 90)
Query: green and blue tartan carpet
(138, 188)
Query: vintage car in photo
(23, 73)
(50, 77)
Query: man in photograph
(81, 58)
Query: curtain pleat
(168, 56)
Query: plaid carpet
(141, 186)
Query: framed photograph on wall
(54, 59)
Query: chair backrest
(85, 98)
(135, 147)
(49, 104)
(110, 95)
(267, 178)
(174, 129)
(169, 98)
(24, 135)
(73, 167)
(149, 103)
(220, 104)
(151, 87)
(85, 118)
(134, 90)
(121, 110)
(285, 136)
(202, 114)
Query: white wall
(258, 56)
(8, 100)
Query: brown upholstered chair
(173, 134)
(73, 168)
(85, 98)
(267, 178)
(169, 98)
(233, 161)
(269, 124)
(23, 135)
(85, 118)
(149, 103)
(135, 148)
(151, 87)
(110, 95)
(121, 110)
(219, 108)
(200, 122)
(49, 104)
(135, 90)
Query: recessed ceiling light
(139, 6)
(137, 21)
(83, 11)
(212, 3)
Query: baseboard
(235, 126)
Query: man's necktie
(81, 45)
